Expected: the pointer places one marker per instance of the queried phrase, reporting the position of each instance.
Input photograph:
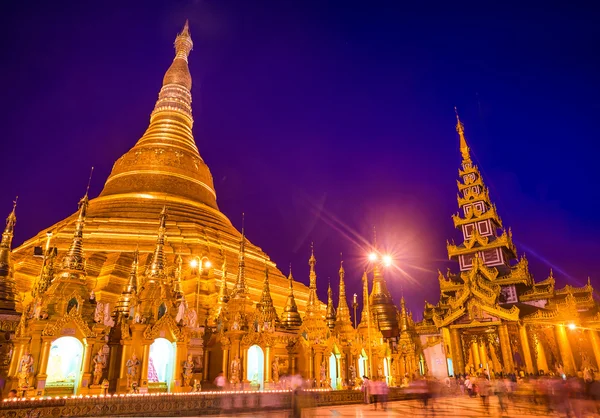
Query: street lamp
(572, 326)
(385, 261)
(199, 264)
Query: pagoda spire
(166, 160)
(364, 315)
(478, 219)
(7, 282)
(464, 148)
(223, 297)
(266, 310)
(343, 311)
(290, 317)
(330, 315)
(47, 273)
(156, 270)
(73, 264)
(129, 293)
(241, 290)
(403, 315)
(313, 300)
(178, 288)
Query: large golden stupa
(149, 287)
(164, 168)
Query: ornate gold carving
(152, 331)
(53, 329)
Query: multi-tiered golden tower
(492, 316)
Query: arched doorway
(256, 366)
(64, 366)
(160, 365)
(333, 371)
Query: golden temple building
(149, 287)
(492, 317)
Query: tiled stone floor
(445, 407)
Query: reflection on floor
(445, 407)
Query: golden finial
(183, 43)
(87, 189)
(12, 216)
(460, 128)
(312, 260)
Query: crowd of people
(571, 396)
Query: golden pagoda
(131, 292)
(492, 317)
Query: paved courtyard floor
(445, 407)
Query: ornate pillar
(145, 362)
(540, 355)
(180, 356)
(505, 348)
(475, 354)
(291, 360)
(595, 345)
(225, 363)
(483, 354)
(245, 363)
(267, 373)
(458, 363)
(318, 361)
(125, 355)
(526, 349)
(311, 359)
(86, 375)
(44, 355)
(205, 360)
(564, 347)
(18, 351)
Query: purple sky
(320, 119)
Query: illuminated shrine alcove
(333, 371)
(160, 365)
(64, 366)
(256, 366)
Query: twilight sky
(321, 119)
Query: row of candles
(126, 395)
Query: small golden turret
(7, 282)
(223, 297)
(73, 264)
(240, 290)
(129, 293)
(314, 305)
(156, 271)
(178, 286)
(68, 290)
(265, 311)
(364, 315)
(330, 314)
(343, 323)
(291, 318)
(403, 316)
(343, 311)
